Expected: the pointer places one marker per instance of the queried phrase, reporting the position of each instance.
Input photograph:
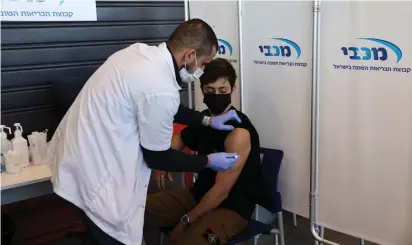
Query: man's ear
(189, 55)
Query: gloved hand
(222, 161)
(218, 122)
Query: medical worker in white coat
(120, 126)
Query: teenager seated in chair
(218, 206)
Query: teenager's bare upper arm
(237, 141)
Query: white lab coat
(95, 152)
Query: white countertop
(28, 175)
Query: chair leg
(276, 239)
(256, 217)
(255, 240)
(321, 233)
(281, 229)
(295, 222)
(162, 237)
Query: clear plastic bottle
(20, 145)
(5, 146)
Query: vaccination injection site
(206, 122)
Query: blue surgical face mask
(188, 77)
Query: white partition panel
(222, 16)
(277, 39)
(365, 185)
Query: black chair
(271, 161)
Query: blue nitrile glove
(218, 122)
(222, 161)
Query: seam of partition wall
(241, 79)
(189, 85)
(314, 173)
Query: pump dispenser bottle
(5, 146)
(20, 145)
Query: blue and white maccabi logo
(225, 50)
(378, 49)
(224, 47)
(280, 51)
(284, 49)
(373, 54)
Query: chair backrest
(271, 161)
(177, 128)
(270, 167)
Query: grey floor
(300, 235)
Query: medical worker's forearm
(188, 116)
(174, 161)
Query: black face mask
(217, 103)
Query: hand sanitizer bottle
(20, 145)
(5, 146)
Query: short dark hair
(218, 68)
(196, 34)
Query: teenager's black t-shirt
(207, 140)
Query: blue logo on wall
(378, 51)
(224, 47)
(373, 53)
(284, 50)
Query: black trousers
(99, 236)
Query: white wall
(366, 122)
(222, 16)
(277, 96)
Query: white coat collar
(169, 60)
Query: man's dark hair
(218, 68)
(196, 34)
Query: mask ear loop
(196, 60)
(186, 65)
